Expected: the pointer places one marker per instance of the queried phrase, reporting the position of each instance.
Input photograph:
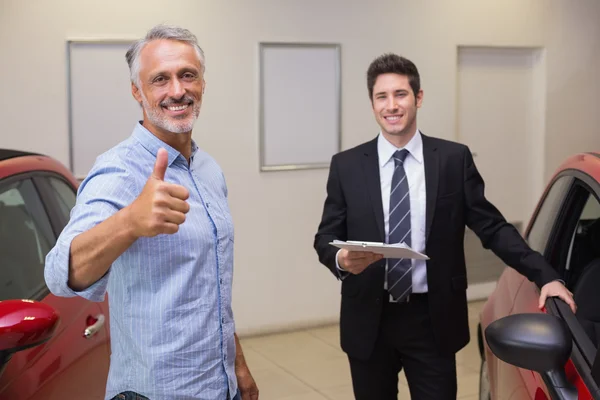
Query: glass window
(65, 195)
(25, 239)
(546, 216)
(584, 248)
(583, 263)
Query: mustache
(186, 99)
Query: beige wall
(573, 102)
(278, 281)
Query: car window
(574, 251)
(25, 239)
(65, 196)
(582, 265)
(571, 247)
(546, 216)
(577, 239)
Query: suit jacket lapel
(370, 164)
(431, 160)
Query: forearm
(326, 252)
(497, 234)
(240, 361)
(511, 248)
(93, 252)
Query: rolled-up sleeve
(107, 189)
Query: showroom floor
(309, 365)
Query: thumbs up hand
(161, 206)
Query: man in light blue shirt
(152, 227)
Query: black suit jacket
(455, 199)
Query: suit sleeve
(333, 222)
(496, 234)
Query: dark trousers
(406, 341)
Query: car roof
(5, 154)
(588, 163)
(14, 162)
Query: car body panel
(514, 294)
(69, 365)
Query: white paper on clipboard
(395, 250)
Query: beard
(179, 124)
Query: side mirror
(24, 324)
(537, 342)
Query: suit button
(377, 300)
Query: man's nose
(176, 90)
(391, 103)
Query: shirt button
(207, 205)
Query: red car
(550, 354)
(51, 348)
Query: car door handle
(94, 328)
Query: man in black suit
(404, 186)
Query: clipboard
(388, 250)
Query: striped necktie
(399, 270)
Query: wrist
(126, 221)
(338, 260)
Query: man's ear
(419, 98)
(135, 91)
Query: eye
(189, 76)
(159, 80)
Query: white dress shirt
(415, 173)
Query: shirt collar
(386, 150)
(151, 143)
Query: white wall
(573, 103)
(278, 281)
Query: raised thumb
(160, 166)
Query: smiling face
(171, 85)
(395, 105)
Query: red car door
(69, 365)
(74, 363)
(566, 231)
(572, 250)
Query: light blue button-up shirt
(171, 323)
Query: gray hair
(160, 32)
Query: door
(69, 365)
(500, 98)
(500, 116)
(568, 241)
(507, 380)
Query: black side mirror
(24, 324)
(537, 342)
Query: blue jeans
(129, 396)
(135, 396)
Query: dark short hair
(395, 64)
